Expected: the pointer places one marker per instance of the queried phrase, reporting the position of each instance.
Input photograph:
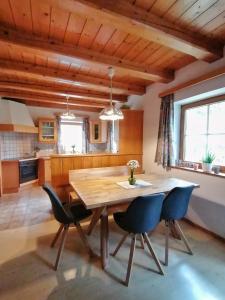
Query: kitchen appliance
(28, 170)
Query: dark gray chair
(66, 215)
(142, 216)
(174, 208)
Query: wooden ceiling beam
(137, 21)
(76, 54)
(53, 100)
(60, 92)
(77, 80)
(59, 106)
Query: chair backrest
(143, 214)
(94, 173)
(176, 203)
(57, 207)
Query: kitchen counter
(84, 154)
(61, 164)
(20, 159)
(25, 158)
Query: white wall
(207, 207)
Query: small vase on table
(132, 164)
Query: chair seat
(77, 212)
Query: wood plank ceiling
(52, 48)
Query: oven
(28, 170)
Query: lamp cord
(67, 105)
(111, 91)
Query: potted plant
(132, 164)
(207, 162)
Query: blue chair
(142, 216)
(66, 215)
(174, 208)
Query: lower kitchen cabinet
(10, 176)
(44, 170)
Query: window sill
(199, 171)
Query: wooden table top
(106, 192)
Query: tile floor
(26, 261)
(29, 207)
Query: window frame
(73, 122)
(182, 122)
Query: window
(71, 134)
(203, 130)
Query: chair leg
(142, 242)
(61, 246)
(83, 238)
(130, 262)
(57, 235)
(184, 238)
(153, 253)
(120, 244)
(167, 243)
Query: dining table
(103, 193)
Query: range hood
(15, 117)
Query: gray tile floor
(28, 207)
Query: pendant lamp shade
(111, 113)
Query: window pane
(217, 146)
(217, 117)
(71, 134)
(194, 147)
(196, 120)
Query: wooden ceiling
(53, 48)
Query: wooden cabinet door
(97, 131)
(131, 132)
(47, 131)
(10, 176)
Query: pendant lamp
(110, 112)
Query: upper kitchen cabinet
(131, 132)
(47, 130)
(98, 131)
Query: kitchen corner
(28, 158)
(19, 144)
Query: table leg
(96, 216)
(104, 239)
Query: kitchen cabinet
(131, 132)
(47, 130)
(10, 176)
(44, 170)
(97, 131)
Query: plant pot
(207, 167)
(132, 180)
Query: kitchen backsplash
(14, 144)
(19, 144)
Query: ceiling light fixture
(111, 113)
(68, 115)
